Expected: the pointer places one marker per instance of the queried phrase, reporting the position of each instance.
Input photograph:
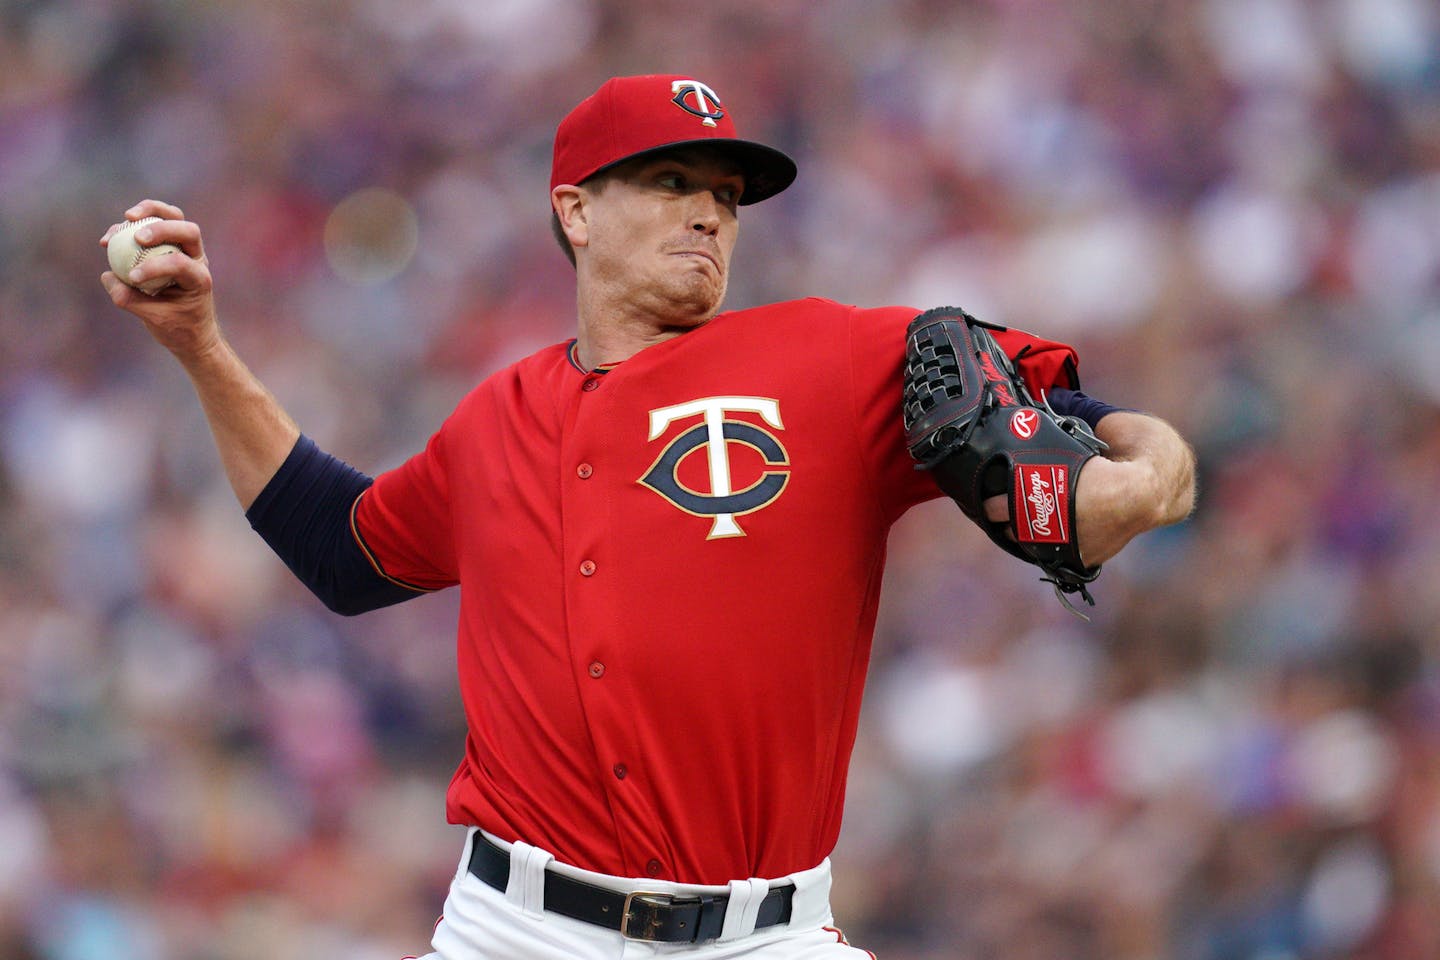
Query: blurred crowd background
(1232, 207)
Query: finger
(997, 509)
(186, 272)
(120, 294)
(154, 208)
(141, 210)
(183, 233)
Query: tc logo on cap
(707, 105)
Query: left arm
(1145, 480)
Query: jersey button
(590, 384)
(584, 470)
(619, 771)
(597, 669)
(587, 568)
(654, 868)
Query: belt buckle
(635, 928)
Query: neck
(599, 343)
(611, 331)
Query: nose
(705, 217)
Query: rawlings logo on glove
(970, 420)
(1045, 490)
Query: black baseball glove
(971, 421)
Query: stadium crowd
(1231, 207)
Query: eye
(671, 181)
(727, 195)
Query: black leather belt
(657, 917)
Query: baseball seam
(142, 251)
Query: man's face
(660, 233)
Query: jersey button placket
(592, 412)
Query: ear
(568, 202)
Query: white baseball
(125, 254)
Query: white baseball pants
(481, 923)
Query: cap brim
(767, 171)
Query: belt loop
(472, 837)
(743, 908)
(526, 886)
(711, 921)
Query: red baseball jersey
(669, 577)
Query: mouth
(702, 254)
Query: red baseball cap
(631, 116)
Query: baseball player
(669, 533)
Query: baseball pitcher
(670, 536)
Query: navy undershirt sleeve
(1073, 403)
(304, 515)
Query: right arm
(252, 432)
(297, 497)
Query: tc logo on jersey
(725, 441)
(707, 105)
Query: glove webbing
(933, 377)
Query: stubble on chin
(705, 305)
(693, 298)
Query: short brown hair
(594, 184)
(560, 237)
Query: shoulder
(802, 305)
(813, 310)
(805, 306)
(817, 330)
(538, 374)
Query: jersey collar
(572, 353)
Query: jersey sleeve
(877, 351)
(303, 513)
(877, 360)
(1043, 364)
(403, 522)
